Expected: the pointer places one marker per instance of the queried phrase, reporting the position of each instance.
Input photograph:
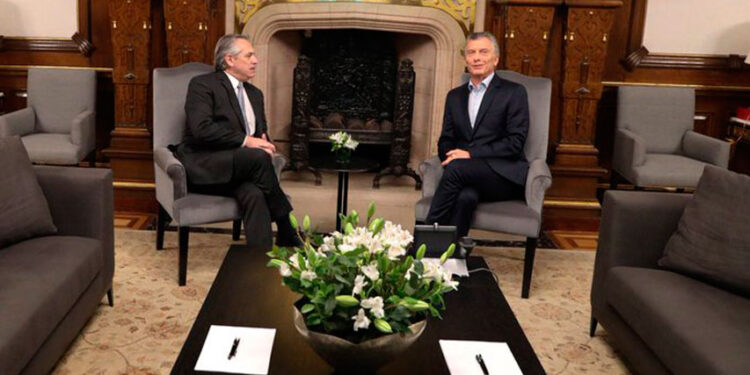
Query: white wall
(698, 27)
(38, 18)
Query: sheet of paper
(253, 352)
(453, 265)
(460, 355)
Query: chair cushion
(201, 209)
(668, 170)
(507, 216)
(24, 208)
(693, 327)
(52, 148)
(40, 281)
(712, 241)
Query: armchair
(175, 202)
(58, 125)
(654, 141)
(522, 217)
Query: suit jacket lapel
(232, 95)
(463, 119)
(492, 89)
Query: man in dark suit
(226, 149)
(481, 145)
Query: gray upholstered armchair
(58, 125)
(185, 208)
(521, 217)
(655, 144)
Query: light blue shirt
(476, 94)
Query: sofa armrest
(81, 203)
(635, 227)
(629, 151)
(431, 171)
(279, 161)
(538, 181)
(18, 123)
(167, 162)
(83, 131)
(704, 148)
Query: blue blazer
(499, 132)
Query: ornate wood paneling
(527, 34)
(187, 30)
(131, 37)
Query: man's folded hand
(261, 143)
(455, 154)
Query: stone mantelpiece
(430, 37)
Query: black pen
(233, 351)
(481, 364)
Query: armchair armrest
(83, 131)
(431, 171)
(18, 123)
(81, 203)
(166, 162)
(279, 161)
(635, 228)
(538, 181)
(629, 152)
(708, 149)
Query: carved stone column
(187, 29)
(130, 150)
(576, 167)
(523, 29)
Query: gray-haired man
(226, 149)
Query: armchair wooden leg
(236, 229)
(592, 326)
(184, 234)
(161, 223)
(528, 265)
(111, 298)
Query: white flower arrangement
(360, 283)
(342, 140)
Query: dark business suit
(216, 162)
(497, 168)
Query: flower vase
(363, 358)
(343, 156)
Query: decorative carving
(301, 118)
(634, 59)
(84, 46)
(187, 29)
(463, 11)
(130, 40)
(585, 30)
(526, 37)
(401, 145)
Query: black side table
(357, 164)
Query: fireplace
(351, 80)
(428, 37)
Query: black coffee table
(356, 165)
(247, 293)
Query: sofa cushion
(25, 213)
(693, 327)
(40, 281)
(712, 241)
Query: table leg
(345, 199)
(339, 195)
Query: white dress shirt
(475, 97)
(249, 113)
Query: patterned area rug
(152, 316)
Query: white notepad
(460, 357)
(253, 352)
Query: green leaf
(313, 320)
(349, 228)
(342, 280)
(277, 263)
(383, 325)
(447, 254)
(354, 216)
(346, 301)
(370, 211)
(293, 221)
(420, 252)
(306, 223)
(307, 308)
(329, 306)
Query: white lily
(371, 271)
(308, 275)
(361, 320)
(284, 270)
(375, 305)
(359, 283)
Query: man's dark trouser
(464, 184)
(255, 186)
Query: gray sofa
(662, 322)
(50, 286)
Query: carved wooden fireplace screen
(349, 80)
